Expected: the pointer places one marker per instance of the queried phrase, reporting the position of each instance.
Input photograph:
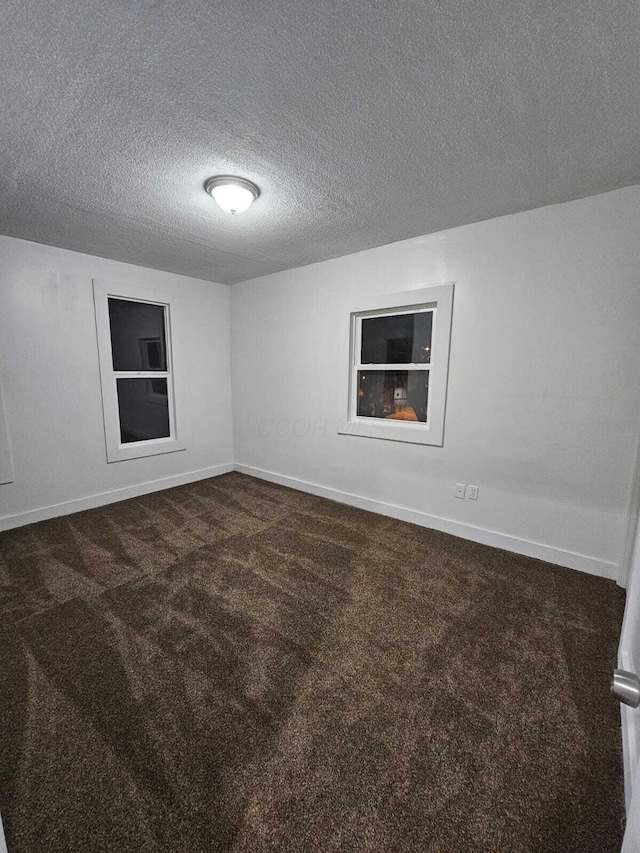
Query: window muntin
(134, 346)
(385, 341)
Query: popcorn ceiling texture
(362, 122)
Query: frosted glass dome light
(232, 194)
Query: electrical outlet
(473, 493)
(460, 490)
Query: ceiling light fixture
(232, 194)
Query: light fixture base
(232, 193)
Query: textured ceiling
(362, 121)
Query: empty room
(319, 426)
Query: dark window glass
(401, 339)
(137, 335)
(394, 394)
(158, 386)
(143, 415)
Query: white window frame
(116, 450)
(439, 300)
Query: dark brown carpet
(232, 665)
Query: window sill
(139, 449)
(410, 433)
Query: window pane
(137, 335)
(401, 339)
(144, 409)
(158, 386)
(393, 394)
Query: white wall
(50, 378)
(543, 408)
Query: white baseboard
(112, 496)
(548, 553)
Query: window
(134, 346)
(398, 365)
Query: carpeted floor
(233, 665)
